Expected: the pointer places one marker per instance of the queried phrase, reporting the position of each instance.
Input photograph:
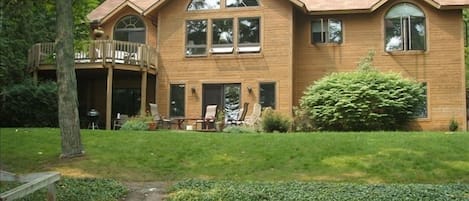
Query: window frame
(426, 104)
(249, 47)
(325, 31)
(171, 93)
(237, 7)
(204, 9)
(127, 30)
(217, 48)
(405, 37)
(274, 92)
(187, 44)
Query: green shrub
(274, 121)
(86, 189)
(362, 101)
(29, 105)
(301, 120)
(227, 191)
(453, 125)
(137, 123)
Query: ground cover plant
(374, 157)
(246, 191)
(76, 189)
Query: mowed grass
(375, 157)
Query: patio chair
(255, 116)
(241, 116)
(117, 124)
(160, 121)
(209, 118)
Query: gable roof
(367, 6)
(109, 7)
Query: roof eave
(153, 7)
(339, 12)
(119, 8)
(453, 7)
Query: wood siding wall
(441, 66)
(290, 60)
(273, 64)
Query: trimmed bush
(239, 129)
(224, 190)
(274, 121)
(137, 124)
(364, 100)
(29, 105)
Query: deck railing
(98, 51)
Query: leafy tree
(26, 22)
(362, 100)
(22, 24)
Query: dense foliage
(27, 104)
(137, 124)
(362, 100)
(86, 189)
(273, 121)
(224, 190)
(22, 24)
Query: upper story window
(130, 28)
(405, 28)
(326, 31)
(249, 35)
(204, 5)
(241, 3)
(222, 36)
(196, 41)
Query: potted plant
(220, 120)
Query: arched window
(405, 28)
(130, 28)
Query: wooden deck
(98, 54)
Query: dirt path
(146, 191)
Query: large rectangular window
(326, 31)
(267, 94)
(177, 100)
(249, 35)
(222, 36)
(196, 37)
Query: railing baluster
(103, 51)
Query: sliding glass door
(225, 96)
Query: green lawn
(400, 157)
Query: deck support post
(143, 93)
(156, 88)
(109, 97)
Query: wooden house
(186, 54)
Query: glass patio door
(225, 96)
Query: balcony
(98, 54)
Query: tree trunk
(69, 121)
